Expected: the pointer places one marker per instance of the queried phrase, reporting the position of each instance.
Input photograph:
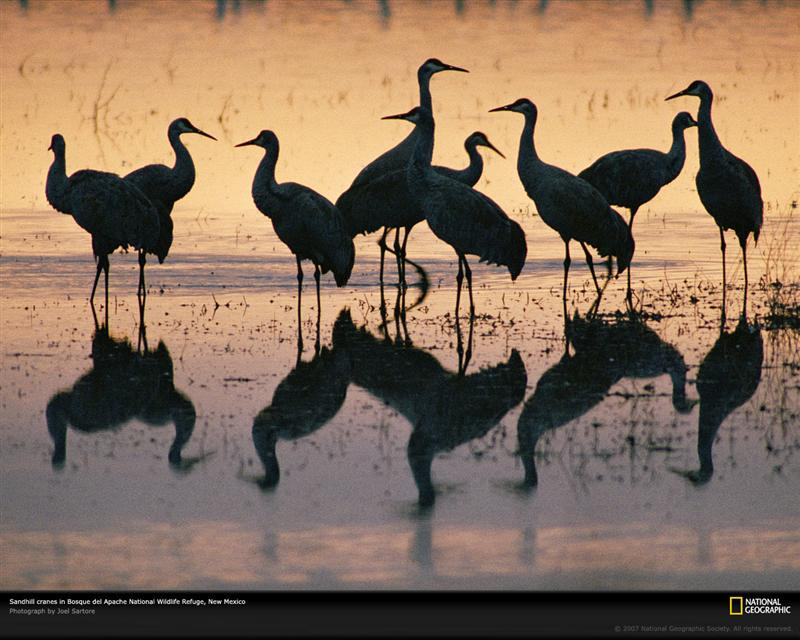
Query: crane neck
(708, 141)
(422, 156)
(265, 187)
(57, 181)
(472, 173)
(424, 80)
(676, 155)
(183, 171)
(527, 158)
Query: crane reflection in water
(124, 384)
(445, 408)
(605, 353)
(728, 377)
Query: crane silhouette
(445, 409)
(728, 377)
(305, 400)
(464, 218)
(115, 213)
(388, 198)
(305, 221)
(632, 177)
(166, 185)
(728, 187)
(568, 204)
(605, 353)
(123, 385)
(362, 205)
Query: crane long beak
(203, 133)
(495, 149)
(676, 95)
(450, 67)
(398, 116)
(503, 108)
(244, 144)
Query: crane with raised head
(569, 205)
(728, 187)
(305, 221)
(166, 185)
(631, 177)
(115, 213)
(388, 197)
(464, 218)
(366, 213)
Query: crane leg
(398, 254)
(96, 278)
(105, 268)
(403, 248)
(319, 306)
(724, 279)
(567, 262)
(459, 280)
(743, 243)
(142, 291)
(382, 245)
(468, 273)
(299, 298)
(590, 262)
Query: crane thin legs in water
(299, 307)
(102, 265)
(319, 308)
(590, 262)
(463, 268)
(317, 275)
(464, 356)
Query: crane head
(182, 125)
(434, 65)
(266, 140)
(57, 144)
(417, 115)
(683, 120)
(523, 106)
(479, 139)
(698, 88)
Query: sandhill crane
(166, 185)
(464, 218)
(632, 177)
(445, 409)
(369, 216)
(387, 200)
(569, 205)
(305, 400)
(728, 377)
(604, 354)
(121, 386)
(305, 221)
(728, 187)
(114, 212)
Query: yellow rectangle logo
(737, 605)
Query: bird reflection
(445, 409)
(124, 384)
(605, 352)
(305, 401)
(728, 377)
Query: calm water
(661, 453)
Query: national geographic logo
(739, 606)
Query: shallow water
(393, 470)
